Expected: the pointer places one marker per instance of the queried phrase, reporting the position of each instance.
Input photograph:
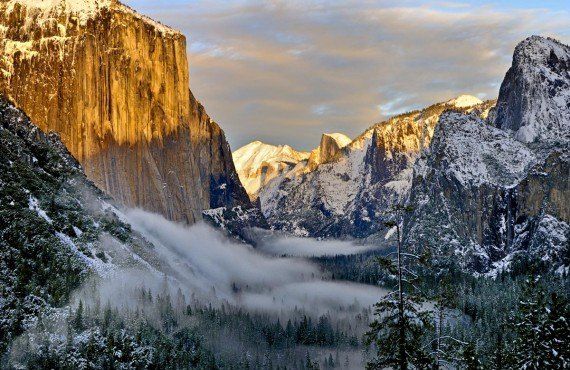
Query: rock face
(346, 195)
(330, 146)
(535, 95)
(114, 85)
(495, 198)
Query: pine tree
(501, 356)
(78, 319)
(530, 327)
(401, 322)
(470, 360)
(557, 333)
(444, 345)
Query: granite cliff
(115, 86)
(346, 193)
(494, 194)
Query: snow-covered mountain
(258, 163)
(535, 95)
(497, 197)
(345, 195)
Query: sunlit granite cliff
(114, 85)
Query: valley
(132, 237)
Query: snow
(77, 231)
(34, 205)
(464, 101)
(478, 153)
(10, 48)
(390, 232)
(541, 65)
(45, 9)
(257, 163)
(341, 139)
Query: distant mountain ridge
(344, 195)
(258, 163)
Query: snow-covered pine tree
(530, 327)
(445, 347)
(557, 333)
(401, 324)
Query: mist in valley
(221, 288)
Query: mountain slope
(346, 195)
(114, 85)
(497, 198)
(55, 226)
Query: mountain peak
(464, 101)
(539, 49)
(258, 163)
(534, 99)
(341, 139)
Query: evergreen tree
(501, 357)
(401, 323)
(470, 358)
(444, 345)
(530, 327)
(557, 333)
(78, 319)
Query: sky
(284, 72)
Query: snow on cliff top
(82, 9)
(539, 50)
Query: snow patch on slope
(479, 153)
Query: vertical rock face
(330, 146)
(114, 85)
(495, 198)
(535, 94)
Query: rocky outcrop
(495, 198)
(114, 85)
(330, 146)
(534, 98)
(347, 195)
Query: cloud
(309, 247)
(209, 267)
(266, 70)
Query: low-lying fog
(212, 267)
